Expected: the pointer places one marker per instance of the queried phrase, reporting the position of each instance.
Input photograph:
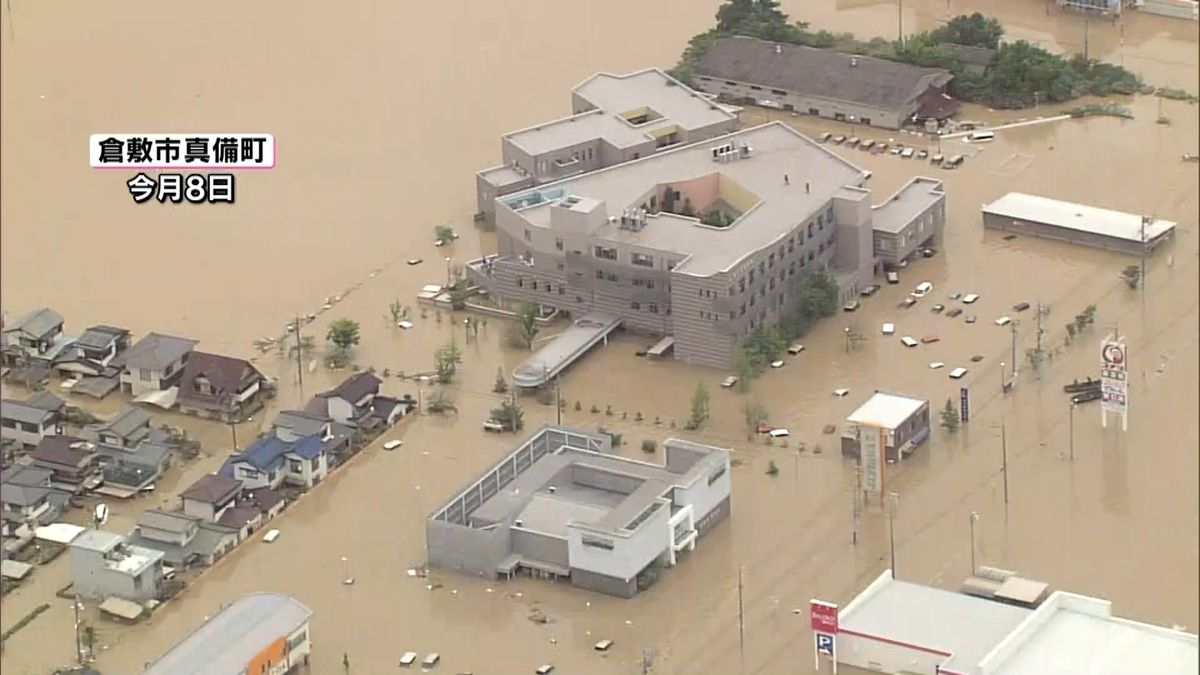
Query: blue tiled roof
(309, 447)
(266, 453)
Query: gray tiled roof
(99, 337)
(22, 412)
(129, 421)
(39, 322)
(818, 72)
(22, 495)
(156, 351)
(44, 400)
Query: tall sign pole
(823, 616)
(1114, 380)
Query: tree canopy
(343, 333)
(975, 30)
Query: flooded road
(380, 135)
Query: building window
(779, 92)
(755, 88)
(562, 290)
(814, 111)
(635, 305)
(606, 253)
(611, 276)
(596, 542)
(528, 237)
(558, 244)
(653, 308)
(145, 375)
(641, 260)
(520, 282)
(865, 120)
(600, 274)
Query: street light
(1001, 377)
(974, 519)
(1073, 404)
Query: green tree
(754, 414)
(950, 418)
(509, 415)
(975, 30)
(343, 333)
(527, 323)
(396, 310)
(440, 402)
(446, 360)
(443, 233)
(501, 385)
(699, 406)
(744, 369)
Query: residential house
(292, 425)
(26, 496)
(104, 565)
(220, 387)
(252, 509)
(154, 363)
(29, 421)
(73, 462)
(357, 402)
(129, 470)
(36, 336)
(183, 539)
(126, 430)
(210, 496)
(270, 461)
(93, 351)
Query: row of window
(651, 307)
(608, 253)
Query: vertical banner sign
(1114, 382)
(964, 411)
(870, 457)
(823, 617)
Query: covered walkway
(564, 349)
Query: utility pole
(78, 637)
(233, 430)
(1013, 328)
(1041, 313)
(741, 623)
(974, 519)
(299, 360)
(892, 529)
(1087, 24)
(558, 400)
(1146, 220)
(857, 507)
(900, 20)
(1004, 459)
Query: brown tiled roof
(355, 387)
(58, 450)
(238, 516)
(212, 489)
(226, 374)
(264, 499)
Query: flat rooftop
(548, 496)
(1079, 217)
(899, 210)
(227, 641)
(963, 627)
(777, 150)
(1078, 635)
(614, 95)
(886, 410)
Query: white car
(392, 445)
(909, 342)
(970, 298)
(1003, 321)
(889, 328)
(934, 365)
(841, 393)
(957, 373)
(777, 364)
(404, 325)
(778, 433)
(922, 289)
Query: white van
(981, 136)
(893, 278)
(906, 153)
(909, 342)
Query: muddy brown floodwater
(383, 111)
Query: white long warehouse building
(1076, 223)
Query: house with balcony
(129, 428)
(703, 244)
(73, 463)
(105, 565)
(28, 422)
(271, 461)
(614, 119)
(220, 387)
(210, 496)
(183, 540)
(27, 497)
(36, 337)
(153, 364)
(129, 470)
(92, 352)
